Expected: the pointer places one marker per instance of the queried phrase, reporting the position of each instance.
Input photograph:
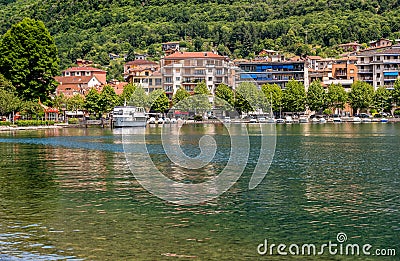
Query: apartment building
(279, 73)
(187, 69)
(143, 73)
(379, 67)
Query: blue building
(279, 73)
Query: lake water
(69, 194)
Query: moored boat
(129, 116)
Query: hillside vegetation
(91, 29)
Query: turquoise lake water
(68, 194)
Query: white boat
(337, 120)
(160, 121)
(289, 119)
(262, 120)
(280, 121)
(303, 119)
(152, 120)
(173, 120)
(227, 120)
(129, 116)
(315, 120)
(384, 120)
(322, 120)
(252, 120)
(356, 119)
(366, 120)
(270, 120)
(167, 120)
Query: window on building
(177, 78)
(200, 62)
(72, 73)
(146, 73)
(351, 70)
(150, 81)
(67, 74)
(219, 71)
(210, 79)
(78, 73)
(87, 73)
(158, 82)
(168, 79)
(210, 70)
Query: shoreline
(9, 128)
(60, 126)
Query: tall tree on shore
(382, 99)
(336, 96)
(107, 99)
(294, 97)
(92, 101)
(273, 91)
(361, 95)
(158, 100)
(224, 97)
(180, 95)
(29, 59)
(316, 96)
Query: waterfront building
(379, 66)
(187, 69)
(79, 80)
(280, 73)
(143, 73)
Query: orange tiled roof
(183, 55)
(85, 68)
(73, 79)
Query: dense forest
(91, 29)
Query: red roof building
(79, 80)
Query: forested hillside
(93, 28)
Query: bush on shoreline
(24, 123)
(73, 121)
(5, 123)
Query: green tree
(131, 55)
(180, 95)
(382, 99)
(361, 95)
(201, 88)
(274, 91)
(75, 102)
(249, 98)
(396, 93)
(108, 99)
(59, 102)
(92, 101)
(159, 101)
(31, 109)
(139, 98)
(126, 94)
(9, 102)
(29, 59)
(294, 97)
(316, 97)
(225, 93)
(336, 96)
